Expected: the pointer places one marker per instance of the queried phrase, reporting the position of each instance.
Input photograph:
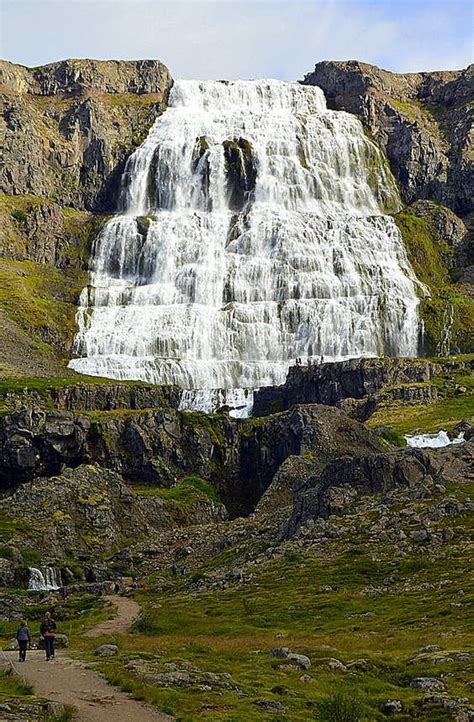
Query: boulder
(429, 684)
(301, 660)
(392, 706)
(106, 650)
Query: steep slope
(70, 126)
(67, 130)
(422, 120)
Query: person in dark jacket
(23, 637)
(47, 629)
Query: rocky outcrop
(76, 77)
(70, 126)
(332, 490)
(89, 510)
(101, 396)
(332, 383)
(448, 228)
(316, 433)
(161, 446)
(422, 120)
(33, 443)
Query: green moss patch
(448, 314)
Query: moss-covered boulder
(241, 172)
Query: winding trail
(70, 682)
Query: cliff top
(77, 76)
(338, 77)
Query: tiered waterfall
(250, 235)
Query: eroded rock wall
(423, 121)
(68, 127)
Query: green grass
(443, 414)
(188, 491)
(11, 686)
(233, 630)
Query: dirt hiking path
(127, 610)
(69, 682)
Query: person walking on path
(47, 629)
(23, 637)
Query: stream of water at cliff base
(250, 235)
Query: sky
(241, 38)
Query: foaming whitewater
(250, 234)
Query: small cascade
(211, 400)
(444, 346)
(433, 441)
(45, 579)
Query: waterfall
(46, 580)
(250, 235)
(444, 346)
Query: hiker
(64, 593)
(23, 637)
(174, 569)
(184, 570)
(47, 629)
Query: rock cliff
(422, 120)
(358, 385)
(69, 127)
(160, 446)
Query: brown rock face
(68, 127)
(75, 77)
(423, 121)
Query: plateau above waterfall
(250, 235)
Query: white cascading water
(44, 581)
(251, 234)
(433, 441)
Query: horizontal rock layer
(331, 383)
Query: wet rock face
(241, 172)
(70, 126)
(422, 120)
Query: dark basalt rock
(328, 492)
(332, 383)
(241, 172)
(160, 446)
(39, 442)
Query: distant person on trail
(47, 629)
(184, 570)
(23, 637)
(64, 592)
(174, 569)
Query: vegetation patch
(448, 313)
